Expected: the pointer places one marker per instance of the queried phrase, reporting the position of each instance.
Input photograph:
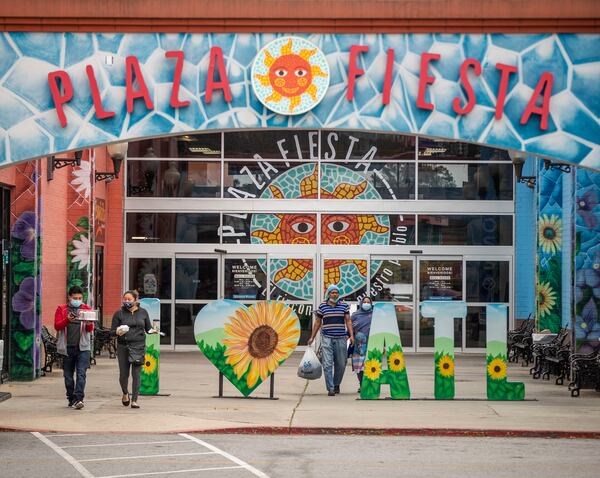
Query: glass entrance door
(440, 278)
(392, 280)
(197, 279)
(349, 272)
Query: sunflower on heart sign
(259, 338)
(247, 344)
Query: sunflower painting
(498, 387)
(549, 232)
(247, 344)
(383, 369)
(150, 369)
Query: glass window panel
(291, 279)
(189, 228)
(350, 275)
(487, 281)
(245, 279)
(305, 314)
(402, 229)
(207, 145)
(185, 316)
(476, 327)
(392, 281)
(173, 179)
(359, 145)
(165, 323)
(150, 276)
(470, 230)
(440, 279)
(465, 181)
(269, 228)
(453, 150)
(196, 279)
(368, 181)
(271, 180)
(273, 144)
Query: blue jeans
(335, 355)
(76, 361)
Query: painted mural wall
(376, 85)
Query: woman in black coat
(130, 324)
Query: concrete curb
(432, 432)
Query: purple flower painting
(585, 208)
(23, 302)
(24, 229)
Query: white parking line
(242, 463)
(65, 435)
(148, 456)
(173, 472)
(72, 461)
(124, 444)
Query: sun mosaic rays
(259, 338)
(290, 75)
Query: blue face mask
(366, 307)
(335, 301)
(127, 304)
(75, 303)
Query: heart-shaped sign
(247, 344)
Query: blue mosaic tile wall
(29, 126)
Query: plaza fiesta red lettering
(61, 87)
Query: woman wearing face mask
(131, 323)
(361, 324)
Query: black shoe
(331, 393)
(125, 402)
(71, 403)
(134, 405)
(336, 389)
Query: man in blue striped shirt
(333, 318)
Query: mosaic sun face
(290, 76)
(295, 276)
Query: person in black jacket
(131, 323)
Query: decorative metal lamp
(518, 160)
(117, 153)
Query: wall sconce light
(563, 168)
(518, 160)
(59, 163)
(117, 153)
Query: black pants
(124, 366)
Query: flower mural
(546, 298)
(587, 261)
(81, 251)
(24, 229)
(549, 250)
(23, 303)
(550, 233)
(82, 182)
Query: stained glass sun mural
(295, 276)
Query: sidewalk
(303, 406)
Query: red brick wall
(54, 240)
(113, 249)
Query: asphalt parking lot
(305, 456)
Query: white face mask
(366, 307)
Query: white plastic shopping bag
(310, 368)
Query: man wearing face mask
(333, 318)
(73, 341)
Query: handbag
(136, 354)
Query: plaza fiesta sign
(290, 76)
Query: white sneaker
(78, 405)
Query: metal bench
(520, 343)
(52, 357)
(104, 341)
(543, 350)
(585, 369)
